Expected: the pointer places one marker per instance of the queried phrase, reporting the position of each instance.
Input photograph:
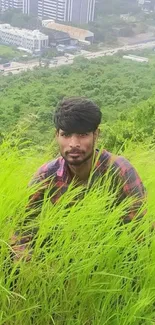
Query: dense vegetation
(15, 18)
(8, 53)
(85, 269)
(119, 87)
(109, 23)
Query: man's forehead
(74, 132)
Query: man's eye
(66, 135)
(83, 134)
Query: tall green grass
(85, 269)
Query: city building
(82, 35)
(80, 11)
(53, 9)
(147, 5)
(30, 7)
(75, 11)
(9, 4)
(56, 37)
(23, 38)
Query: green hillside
(86, 268)
(116, 85)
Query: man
(77, 123)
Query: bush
(85, 268)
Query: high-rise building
(76, 11)
(147, 5)
(80, 11)
(52, 9)
(7, 4)
(30, 7)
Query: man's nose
(74, 141)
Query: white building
(6, 4)
(76, 11)
(30, 7)
(26, 39)
(147, 5)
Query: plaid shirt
(55, 177)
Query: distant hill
(28, 100)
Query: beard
(77, 161)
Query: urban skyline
(75, 11)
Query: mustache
(74, 151)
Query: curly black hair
(77, 115)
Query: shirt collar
(62, 171)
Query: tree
(17, 19)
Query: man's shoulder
(47, 171)
(122, 162)
(51, 167)
(117, 162)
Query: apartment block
(52, 9)
(30, 7)
(23, 38)
(147, 5)
(8, 4)
(76, 11)
(80, 11)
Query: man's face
(76, 148)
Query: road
(17, 67)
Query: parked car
(6, 65)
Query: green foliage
(50, 53)
(108, 24)
(8, 53)
(116, 85)
(85, 267)
(15, 18)
(108, 28)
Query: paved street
(17, 67)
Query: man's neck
(81, 173)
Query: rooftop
(22, 32)
(74, 32)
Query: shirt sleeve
(132, 187)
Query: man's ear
(96, 134)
